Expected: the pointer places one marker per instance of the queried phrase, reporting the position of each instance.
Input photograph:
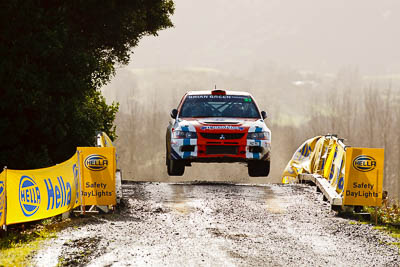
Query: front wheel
(258, 168)
(175, 167)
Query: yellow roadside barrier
(42, 193)
(87, 178)
(355, 175)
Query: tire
(175, 167)
(258, 168)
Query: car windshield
(235, 106)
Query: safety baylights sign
(364, 176)
(98, 175)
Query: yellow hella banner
(42, 193)
(98, 175)
(2, 197)
(301, 161)
(364, 176)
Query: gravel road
(162, 224)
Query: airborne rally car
(218, 126)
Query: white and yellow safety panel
(337, 175)
(317, 154)
(331, 155)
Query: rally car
(218, 126)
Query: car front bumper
(196, 150)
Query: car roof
(208, 92)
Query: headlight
(184, 135)
(259, 136)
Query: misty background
(316, 67)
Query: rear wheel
(258, 168)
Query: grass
(389, 213)
(393, 231)
(388, 218)
(18, 245)
(19, 252)
(360, 221)
(383, 224)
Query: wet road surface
(163, 224)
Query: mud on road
(163, 224)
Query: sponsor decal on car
(246, 99)
(222, 127)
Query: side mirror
(174, 113)
(264, 114)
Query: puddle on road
(182, 198)
(275, 201)
(275, 206)
(186, 197)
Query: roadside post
(3, 199)
(82, 201)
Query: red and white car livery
(218, 126)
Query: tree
(55, 56)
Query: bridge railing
(338, 170)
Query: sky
(314, 35)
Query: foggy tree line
(364, 118)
